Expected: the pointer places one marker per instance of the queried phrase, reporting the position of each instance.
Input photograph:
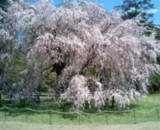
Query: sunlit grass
(32, 126)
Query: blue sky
(156, 11)
(109, 4)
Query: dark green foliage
(24, 104)
(65, 106)
(158, 60)
(4, 4)
(152, 27)
(158, 33)
(154, 83)
(90, 73)
(49, 81)
(132, 8)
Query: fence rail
(57, 117)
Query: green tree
(3, 4)
(132, 8)
(13, 68)
(154, 83)
(158, 32)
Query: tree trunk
(113, 102)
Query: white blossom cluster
(81, 37)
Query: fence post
(135, 116)
(5, 115)
(107, 118)
(79, 120)
(157, 113)
(50, 117)
(26, 116)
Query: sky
(109, 5)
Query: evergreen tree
(132, 8)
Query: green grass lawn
(146, 111)
(31, 126)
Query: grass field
(146, 111)
(32, 126)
